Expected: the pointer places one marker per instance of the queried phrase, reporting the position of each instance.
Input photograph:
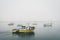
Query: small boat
(24, 29)
(10, 24)
(48, 25)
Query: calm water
(40, 33)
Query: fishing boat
(10, 24)
(48, 25)
(24, 29)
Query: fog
(29, 10)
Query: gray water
(40, 32)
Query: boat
(25, 29)
(10, 24)
(48, 25)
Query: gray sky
(31, 10)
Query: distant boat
(34, 24)
(19, 25)
(10, 24)
(48, 25)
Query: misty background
(29, 10)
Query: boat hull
(22, 30)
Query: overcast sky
(29, 10)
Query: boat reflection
(24, 34)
